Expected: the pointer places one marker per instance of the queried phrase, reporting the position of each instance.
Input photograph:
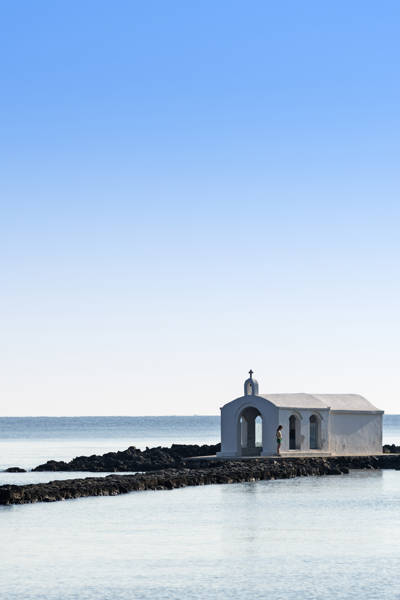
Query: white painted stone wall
(355, 433)
(230, 426)
(304, 416)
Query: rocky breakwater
(132, 459)
(391, 449)
(201, 472)
(14, 470)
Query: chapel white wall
(355, 433)
(230, 426)
(304, 416)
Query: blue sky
(189, 190)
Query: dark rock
(334, 471)
(133, 459)
(391, 449)
(14, 470)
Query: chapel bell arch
(251, 385)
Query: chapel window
(315, 433)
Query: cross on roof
(251, 373)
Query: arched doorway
(315, 432)
(294, 432)
(250, 432)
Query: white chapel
(320, 424)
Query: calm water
(316, 538)
(308, 538)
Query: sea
(314, 538)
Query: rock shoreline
(391, 449)
(200, 472)
(133, 459)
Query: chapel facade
(313, 424)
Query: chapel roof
(336, 402)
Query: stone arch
(315, 431)
(294, 431)
(247, 437)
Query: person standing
(279, 440)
